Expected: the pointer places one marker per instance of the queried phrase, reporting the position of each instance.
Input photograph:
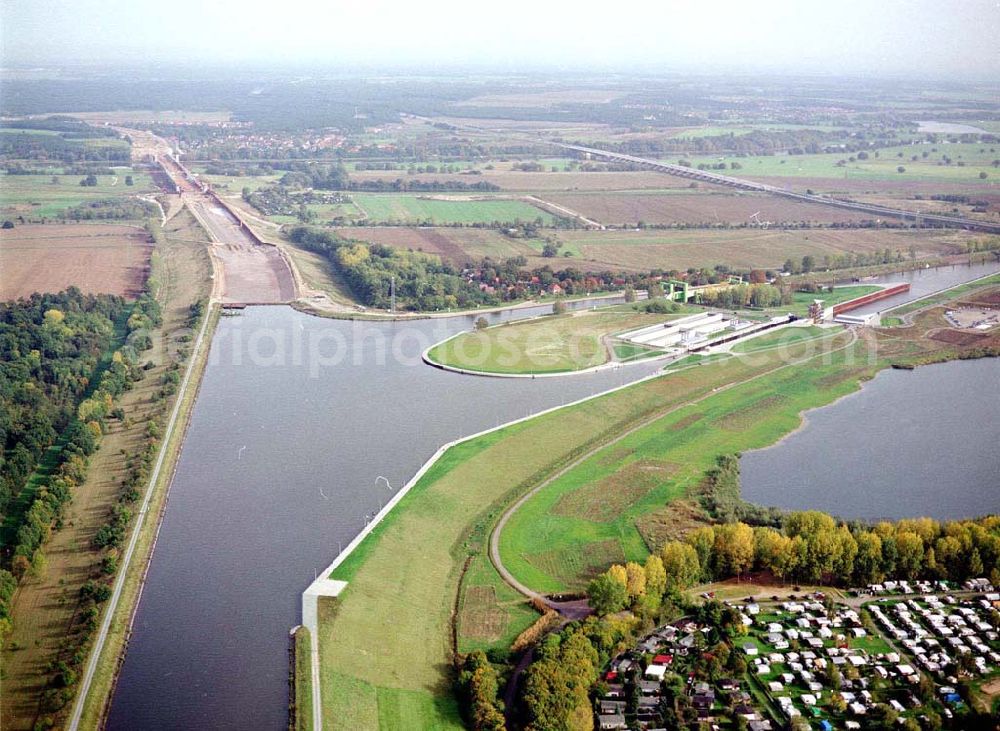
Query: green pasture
(588, 518)
(36, 196)
(977, 158)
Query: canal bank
(285, 465)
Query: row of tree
(809, 546)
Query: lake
(909, 443)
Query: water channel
(301, 428)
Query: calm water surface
(910, 443)
(281, 463)
(297, 421)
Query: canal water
(909, 443)
(924, 282)
(301, 426)
(301, 429)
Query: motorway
(706, 176)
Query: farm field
(96, 258)
(548, 344)
(46, 605)
(708, 207)
(520, 181)
(35, 197)
(457, 245)
(670, 249)
(446, 209)
(976, 158)
(742, 248)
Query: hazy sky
(914, 37)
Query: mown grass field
(785, 336)
(592, 516)
(443, 210)
(36, 197)
(802, 300)
(550, 344)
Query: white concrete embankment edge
(323, 586)
(112, 605)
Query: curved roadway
(495, 557)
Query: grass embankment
(560, 343)
(611, 507)
(617, 503)
(186, 269)
(406, 575)
(302, 688)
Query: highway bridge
(706, 176)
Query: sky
(852, 37)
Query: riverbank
(414, 550)
(48, 604)
(317, 309)
(105, 658)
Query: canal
(301, 426)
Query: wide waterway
(299, 423)
(910, 443)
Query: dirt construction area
(252, 273)
(96, 258)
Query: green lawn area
(785, 336)
(977, 158)
(405, 576)
(544, 345)
(802, 300)
(36, 196)
(628, 351)
(417, 209)
(590, 516)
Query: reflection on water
(296, 420)
(910, 443)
